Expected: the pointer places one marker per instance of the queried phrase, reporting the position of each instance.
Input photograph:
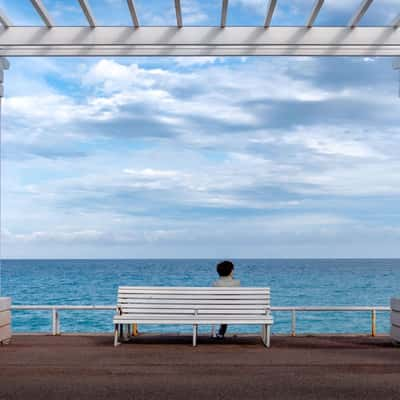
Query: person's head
(225, 268)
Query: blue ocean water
(292, 282)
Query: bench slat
(206, 320)
(195, 296)
(226, 302)
(133, 306)
(191, 312)
(195, 293)
(192, 289)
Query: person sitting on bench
(225, 272)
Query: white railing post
(293, 322)
(58, 323)
(373, 322)
(55, 322)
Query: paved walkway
(89, 367)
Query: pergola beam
(362, 9)
(224, 13)
(43, 14)
(199, 41)
(88, 12)
(314, 13)
(4, 20)
(270, 13)
(134, 16)
(178, 12)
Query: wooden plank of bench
(184, 306)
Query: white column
(396, 65)
(5, 302)
(5, 320)
(395, 320)
(4, 64)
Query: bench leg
(266, 335)
(116, 331)
(263, 333)
(213, 334)
(125, 332)
(194, 335)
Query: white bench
(193, 306)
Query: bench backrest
(173, 301)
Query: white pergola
(181, 40)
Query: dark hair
(225, 268)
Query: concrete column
(4, 64)
(5, 302)
(395, 320)
(5, 319)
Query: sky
(196, 157)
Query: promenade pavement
(168, 367)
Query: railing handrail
(331, 308)
(54, 308)
(62, 307)
(273, 308)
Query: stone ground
(168, 367)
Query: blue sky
(201, 157)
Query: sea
(293, 282)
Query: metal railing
(294, 310)
(55, 319)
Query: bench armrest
(119, 310)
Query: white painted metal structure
(88, 13)
(182, 40)
(193, 306)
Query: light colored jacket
(226, 281)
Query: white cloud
(196, 61)
(328, 140)
(243, 153)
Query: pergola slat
(132, 10)
(314, 13)
(41, 10)
(178, 11)
(88, 12)
(396, 22)
(359, 13)
(270, 13)
(224, 13)
(4, 20)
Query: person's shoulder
(226, 283)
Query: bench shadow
(181, 339)
(306, 342)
